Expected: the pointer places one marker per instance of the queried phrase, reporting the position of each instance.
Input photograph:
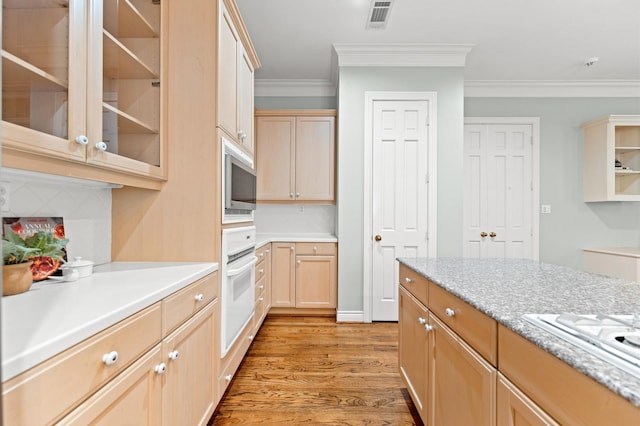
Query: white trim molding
(401, 55)
(350, 316)
(552, 88)
(294, 88)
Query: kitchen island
(505, 290)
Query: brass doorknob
(378, 238)
(493, 234)
(483, 234)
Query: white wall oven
(238, 283)
(238, 184)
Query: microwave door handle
(234, 272)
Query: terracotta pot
(16, 279)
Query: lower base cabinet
(515, 408)
(464, 384)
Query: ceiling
(513, 40)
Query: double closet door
(499, 205)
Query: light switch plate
(545, 209)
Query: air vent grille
(379, 13)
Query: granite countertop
(53, 316)
(507, 289)
(262, 239)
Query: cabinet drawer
(325, 249)
(260, 286)
(262, 252)
(60, 383)
(181, 305)
(261, 270)
(415, 283)
(477, 329)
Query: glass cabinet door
(124, 89)
(44, 77)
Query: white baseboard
(350, 316)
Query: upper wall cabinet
(81, 89)
(236, 64)
(295, 156)
(612, 159)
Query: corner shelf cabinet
(607, 141)
(81, 89)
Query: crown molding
(285, 88)
(552, 88)
(401, 55)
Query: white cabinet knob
(261, 255)
(110, 358)
(428, 327)
(199, 297)
(297, 195)
(293, 248)
(407, 280)
(160, 368)
(299, 262)
(291, 195)
(422, 320)
(261, 271)
(260, 287)
(315, 248)
(173, 355)
(228, 377)
(82, 140)
(250, 338)
(101, 146)
(261, 299)
(242, 135)
(449, 312)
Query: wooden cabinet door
(315, 159)
(134, 397)
(44, 79)
(463, 383)
(316, 282)
(228, 44)
(412, 349)
(516, 409)
(283, 291)
(245, 101)
(189, 388)
(275, 158)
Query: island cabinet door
(515, 408)
(463, 383)
(412, 349)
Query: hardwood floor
(309, 370)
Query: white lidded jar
(83, 267)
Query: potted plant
(27, 258)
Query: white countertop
(262, 239)
(53, 316)
(619, 251)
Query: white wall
(84, 207)
(295, 219)
(354, 82)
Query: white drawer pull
(110, 358)
(261, 255)
(407, 280)
(82, 140)
(173, 355)
(160, 368)
(227, 377)
(428, 327)
(250, 338)
(199, 297)
(261, 271)
(101, 146)
(261, 299)
(261, 287)
(422, 320)
(449, 312)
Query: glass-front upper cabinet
(81, 82)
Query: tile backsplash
(295, 219)
(84, 206)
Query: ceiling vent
(379, 13)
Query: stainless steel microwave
(239, 182)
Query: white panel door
(399, 196)
(498, 191)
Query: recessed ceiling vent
(379, 13)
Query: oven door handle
(234, 272)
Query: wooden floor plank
(311, 370)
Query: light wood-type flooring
(309, 370)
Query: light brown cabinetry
(413, 349)
(236, 60)
(606, 141)
(129, 372)
(82, 89)
(515, 408)
(304, 276)
(295, 156)
(263, 286)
